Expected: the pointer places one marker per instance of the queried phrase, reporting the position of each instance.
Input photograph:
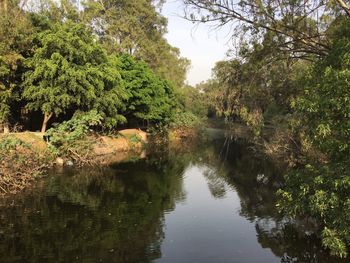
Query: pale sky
(201, 44)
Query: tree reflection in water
(234, 164)
(112, 215)
(117, 214)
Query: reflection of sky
(207, 229)
(202, 45)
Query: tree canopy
(109, 56)
(137, 28)
(300, 26)
(151, 98)
(69, 70)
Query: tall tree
(137, 28)
(68, 71)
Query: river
(206, 200)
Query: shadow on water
(208, 200)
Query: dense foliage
(322, 190)
(151, 98)
(68, 139)
(69, 70)
(136, 28)
(325, 101)
(15, 30)
(57, 58)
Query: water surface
(206, 201)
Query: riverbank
(25, 156)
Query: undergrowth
(19, 165)
(68, 139)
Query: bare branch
(294, 22)
(345, 7)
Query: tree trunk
(47, 117)
(6, 127)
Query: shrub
(68, 138)
(321, 192)
(184, 119)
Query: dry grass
(33, 139)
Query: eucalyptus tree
(124, 25)
(256, 87)
(137, 28)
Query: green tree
(137, 28)
(69, 70)
(194, 100)
(325, 102)
(111, 95)
(255, 87)
(152, 98)
(321, 189)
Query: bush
(184, 119)
(68, 138)
(321, 192)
